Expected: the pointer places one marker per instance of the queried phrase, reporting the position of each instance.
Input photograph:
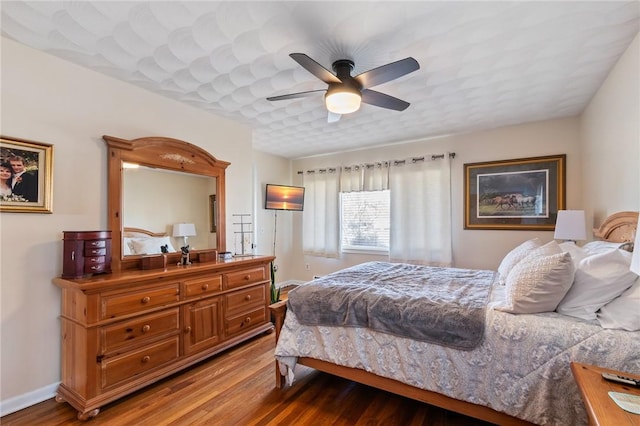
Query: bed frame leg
(278, 311)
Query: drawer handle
(247, 320)
(94, 243)
(145, 300)
(94, 267)
(205, 287)
(146, 359)
(247, 297)
(247, 277)
(146, 328)
(187, 330)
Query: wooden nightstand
(602, 410)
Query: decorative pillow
(150, 245)
(538, 283)
(595, 247)
(599, 279)
(515, 256)
(622, 312)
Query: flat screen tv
(283, 197)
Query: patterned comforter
(521, 367)
(439, 305)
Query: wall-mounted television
(284, 197)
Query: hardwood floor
(237, 387)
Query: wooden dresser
(123, 331)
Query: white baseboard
(28, 399)
(288, 283)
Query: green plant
(275, 292)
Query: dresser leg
(89, 414)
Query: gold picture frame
(31, 191)
(518, 194)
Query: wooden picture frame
(518, 194)
(32, 191)
(213, 214)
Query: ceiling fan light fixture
(342, 101)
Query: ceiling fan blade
(332, 117)
(387, 72)
(372, 97)
(294, 95)
(315, 68)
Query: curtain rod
(394, 162)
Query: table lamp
(570, 226)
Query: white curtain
(320, 218)
(351, 178)
(421, 211)
(365, 177)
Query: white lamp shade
(184, 230)
(635, 259)
(571, 225)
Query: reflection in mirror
(156, 199)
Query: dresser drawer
(241, 300)
(242, 278)
(203, 286)
(245, 321)
(138, 301)
(139, 329)
(93, 260)
(132, 364)
(95, 267)
(88, 252)
(89, 244)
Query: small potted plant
(275, 292)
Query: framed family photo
(519, 194)
(26, 172)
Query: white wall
(49, 100)
(272, 169)
(471, 248)
(610, 137)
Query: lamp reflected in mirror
(184, 230)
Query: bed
(138, 241)
(518, 373)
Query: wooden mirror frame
(162, 153)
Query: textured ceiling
(483, 64)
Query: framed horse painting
(519, 194)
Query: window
(365, 220)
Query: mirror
(173, 182)
(156, 199)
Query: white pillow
(127, 247)
(622, 312)
(150, 245)
(595, 247)
(538, 283)
(577, 253)
(515, 256)
(599, 279)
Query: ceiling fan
(345, 93)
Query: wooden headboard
(618, 228)
(143, 231)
